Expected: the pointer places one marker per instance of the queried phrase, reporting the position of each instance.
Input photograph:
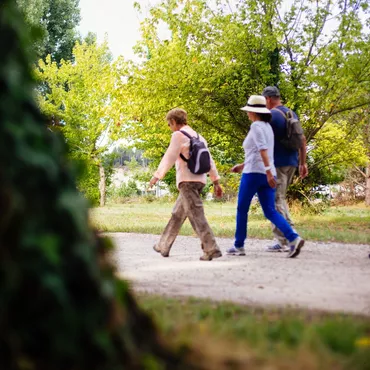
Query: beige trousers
(188, 205)
(284, 179)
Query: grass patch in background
(347, 224)
(263, 338)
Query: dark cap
(271, 91)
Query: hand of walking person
(303, 170)
(238, 168)
(217, 190)
(152, 181)
(271, 179)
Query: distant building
(122, 175)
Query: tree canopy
(58, 20)
(215, 55)
(317, 53)
(82, 98)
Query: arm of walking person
(215, 177)
(217, 189)
(169, 158)
(303, 170)
(270, 177)
(238, 168)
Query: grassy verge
(349, 224)
(242, 337)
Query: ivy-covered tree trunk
(61, 306)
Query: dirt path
(326, 276)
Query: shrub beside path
(325, 276)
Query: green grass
(350, 224)
(263, 338)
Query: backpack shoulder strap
(183, 158)
(186, 134)
(281, 112)
(190, 137)
(290, 113)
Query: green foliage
(122, 155)
(58, 20)
(341, 224)
(170, 181)
(149, 198)
(217, 55)
(88, 183)
(85, 106)
(142, 175)
(229, 181)
(293, 339)
(82, 103)
(61, 305)
(196, 70)
(207, 188)
(128, 190)
(133, 164)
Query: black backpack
(199, 161)
(294, 131)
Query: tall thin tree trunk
(367, 184)
(102, 187)
(367, 170)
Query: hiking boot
(158, 250)
(233, 251)
(216, 253)
(295, 247)
(277, 248)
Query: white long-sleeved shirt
(260, 137)
(181, 144)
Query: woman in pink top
(189, 203)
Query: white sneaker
(277, 248)
(295, 247)
(233, 251)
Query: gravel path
(325, 276)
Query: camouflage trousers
(188, 205)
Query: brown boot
(216, 253)
(158, 250)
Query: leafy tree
(128, 190)
(61, 305)
(364, 170)
(88, 182)
(317, 53)
(58, 20)
(82, 97)
(122, 155)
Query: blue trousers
(250, 184)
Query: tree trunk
(367, 185)
(102, 185)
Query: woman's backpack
(199, 160)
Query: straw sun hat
(257, 104)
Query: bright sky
(118, 19)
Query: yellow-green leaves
(83, 94)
